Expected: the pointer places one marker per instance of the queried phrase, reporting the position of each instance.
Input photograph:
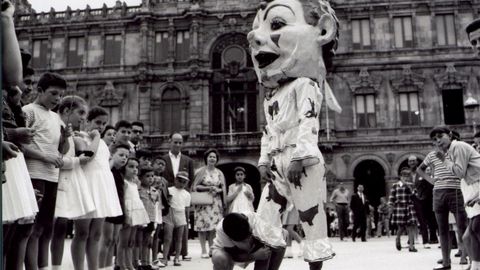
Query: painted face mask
(284, 45)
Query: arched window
(234, 91)
(168, 111)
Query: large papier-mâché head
(292, 39)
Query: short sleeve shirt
(180, 198)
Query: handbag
(201, 198)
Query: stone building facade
(401, 68)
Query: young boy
(144, 157)
(112, 225)
(149, 197)
(124, 131)
(161, 186)
(44, 160)
(176, 218)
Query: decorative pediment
(365, 84)
(110, 97)
(451, 79)
(408, 81)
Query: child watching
(135, 216)
(44, 161)
(108, 135)
(383, 217)
(124, 131)
(161, 185)
(112, 225)
(144, 157)
(149, 197)
(240, 194)
(179, 203)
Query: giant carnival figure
(292, 43)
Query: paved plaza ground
(376, 254)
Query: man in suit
(360, 210)
(175, 162)
(423, 202)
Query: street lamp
(471, 105)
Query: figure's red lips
(265, 58)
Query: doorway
(371, 175)
(252, 177)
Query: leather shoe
(186, 258)
(412, 249)
(176, 262)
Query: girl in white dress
(135, 216)
(19, 205)
(74, 199)
(100, 180)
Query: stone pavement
(376, 254)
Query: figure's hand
(294, 172)
(262, 253)
(249, 194)
(7, 9)
(57, 161)
(266, 174)
(9, 150)
(472, 202)
(84, 159)
(67, 132)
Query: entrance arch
(371, 175)
(252, 178)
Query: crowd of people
(131, 209)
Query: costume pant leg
(309, 199)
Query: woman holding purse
(209, 179)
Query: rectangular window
(402, 27)
(365, 108)
(161, 46)
(409, 109)
(446, 30)
(113, 49)
(40, 54)
(361, 34)
(182, 45)
(76, 51)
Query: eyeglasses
(137, 131)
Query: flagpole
(326, 112)
(229, 113)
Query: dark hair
(123, 123)
(143, 153)
(129, 158)
(107, 127)
(439, 130)
(71, 103)
(455, 135)
(145, 170)
(49, 79)
(405, 169)
(28, 71)
(211, 150)
(114, 147)
(158, 158)
(236, 226)
(239, 168)
(473, 26)
(138, 124)
(477, 135)
(96, 112)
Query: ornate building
(401, 68)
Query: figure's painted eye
(277, 23)
(474, 42)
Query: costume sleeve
(265, 159)
(308, 101)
